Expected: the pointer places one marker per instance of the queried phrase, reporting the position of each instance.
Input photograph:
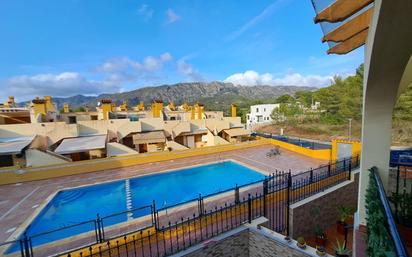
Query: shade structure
(350, 28)
(234, 132)
(339, 10)
(81, 144)
(350, 44)
(14, 145)
(194, 132)
(149, 137)
(344, 23)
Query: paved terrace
(19, 201)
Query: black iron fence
(167, 230)
(383, 236)
(401, 197)
(295, 141)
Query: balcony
(387, 218)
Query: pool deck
(19, 202)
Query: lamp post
(350, 128)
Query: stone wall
(322, 208)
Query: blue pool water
(77, 205)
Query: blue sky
(63, 48)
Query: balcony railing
(383, 235)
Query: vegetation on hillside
(341, 101)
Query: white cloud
(187, 70)
(114, 73)
(172, 16)
(146, 12)
(63, 84)
(252, 78)
(125, 65)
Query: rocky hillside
(224, 93)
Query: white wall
(36, 158)
(117, 149)
(260, 114)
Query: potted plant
(320, 236)
(320, 250)
(403, 204)
(320, 239)
(341, 250)
(288, 239)
(301, 243)
(344, 214)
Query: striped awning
(81, 144)
(235, 132)
(345, 24)
(149, 137)
(14, 145)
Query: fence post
(265, 192)
(249, 208)
(398, 171)
(237, 196)
(350, 169)
(344, 164)
(99, 228)
(311, 175)
(329, 169)
(25, 247)
(154, 215)
(200, 205)
(288, 202)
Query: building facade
(260, 114)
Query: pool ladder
(128, 199)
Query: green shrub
(379, 242)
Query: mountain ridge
(188, 91)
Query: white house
(260, 114)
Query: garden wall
(305, 215)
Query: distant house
(260, 114)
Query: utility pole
(350, 129)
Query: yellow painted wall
(192, 114)
(9, 175)
(233, 110)
(49, 105)
(200, 112)
(66, 108)
(323, 154)
(356, 147)
(106, 108)
(39, 108)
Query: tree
(304, 97)
(284, 99)
(80, 109)
(288, 111)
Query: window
(264, 109)
(72, 119)
(257, 109)
(93, 117)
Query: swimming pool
(72, 206)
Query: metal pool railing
(380, 221)
(166, 230)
